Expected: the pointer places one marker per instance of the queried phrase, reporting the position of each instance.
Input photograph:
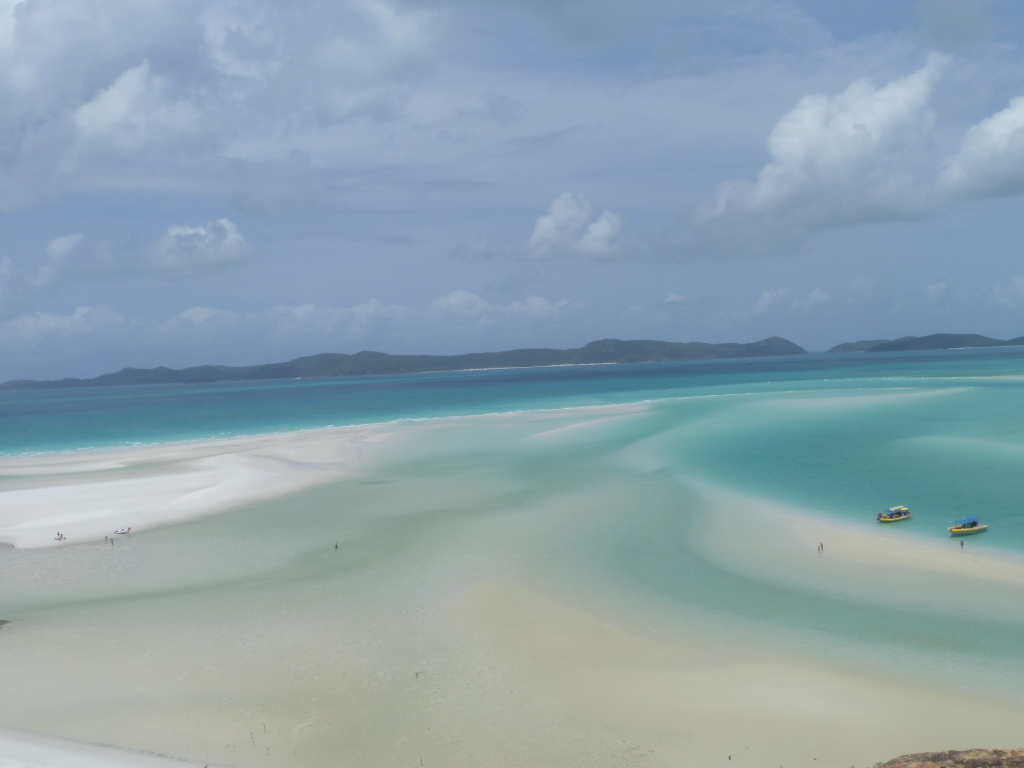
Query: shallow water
(594, 505)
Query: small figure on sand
(61, 537)
(821, 548)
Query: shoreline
(449, 630)
(21, 749)
(102, 491)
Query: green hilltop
(370, 363)
(603, 351)
(934, 341)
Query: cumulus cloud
(194, 80)
(570, 228)
(181, 252)
(863, 155)
(833, 165)
(991, 157)
(187, 251)
(136, 110)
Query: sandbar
(88, 495)
(446, 631)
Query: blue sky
(199, 181)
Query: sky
(244, 181)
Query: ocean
(611, 510)
(798, 429)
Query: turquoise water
(576, 503)
(793, 429)
(69, 419)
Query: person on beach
(961, 543)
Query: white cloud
(185, 251)
(197, 80)
(991, 157)
(133, 112)
(600, 239)
(829, 164)
(863, 155)
(567, 228)
(181, 252)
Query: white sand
(462, 652)
(30, 750)
(87, 495)
(884, 562)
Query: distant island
(369, 363)
(919, 343)
(604, 351)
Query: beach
(87, 495)
(494, 590)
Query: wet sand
(438, 635)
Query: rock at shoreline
(971, 758)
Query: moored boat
(966, 526)
(894, 515)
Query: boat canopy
(968, 520)
(896, 509)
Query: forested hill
(367, 363)
(935, 341)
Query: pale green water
(609, 515)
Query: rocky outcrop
(971, 758)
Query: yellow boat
(894, 515)
(966, 526)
